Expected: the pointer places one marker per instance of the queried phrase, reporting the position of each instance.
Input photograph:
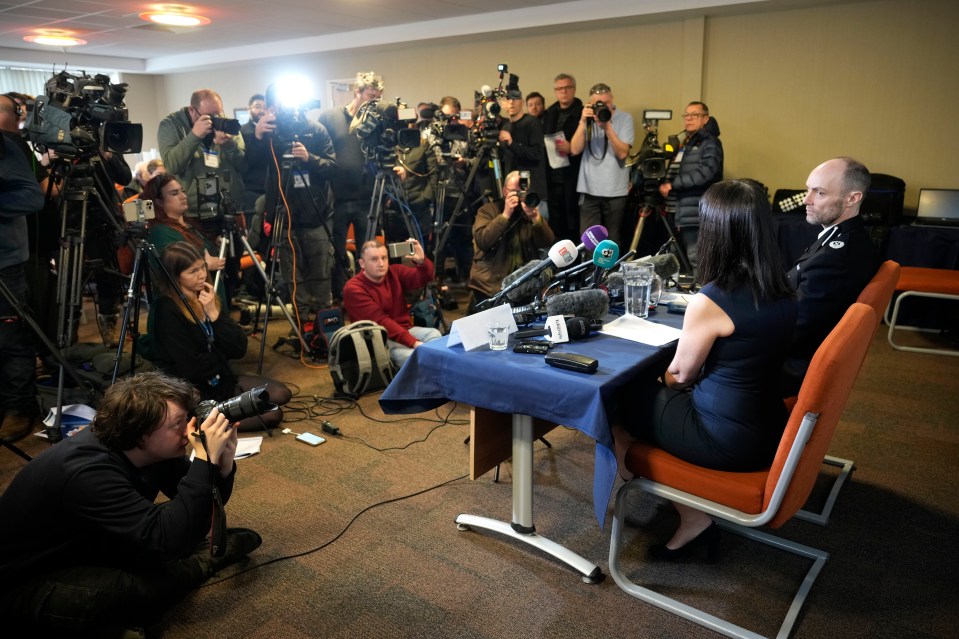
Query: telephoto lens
(255, 401)
(602, 112)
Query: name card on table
(472, 331)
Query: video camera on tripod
(81, 115)
(652, 160)
(381, 127)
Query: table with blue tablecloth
(526, 387)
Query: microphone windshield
(593, 236)
(665, 265)
(527, 290)
(606, 254)
(592, 304)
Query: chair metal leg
(695, 615)
(822, 518)
(15, 450)
(895, 315)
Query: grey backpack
(360, 359)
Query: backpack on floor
(360, 359)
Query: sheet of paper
(643, 331)
(472, 331)
(556, 160)
(245, 447)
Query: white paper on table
(556, 160)
(643, 331)
(472, 331)
(245, 447)
(669, 296)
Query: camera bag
(360, 359)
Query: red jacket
(383, 303)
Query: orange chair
(877, 294)
(743, 501)
(938, 283)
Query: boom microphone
(530, 288)
(665, 265)
(591, 303)
(561, 255)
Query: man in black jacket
(836, 267)
(697, 166)
(562, 117)
(87, 549)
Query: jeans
(399, 353)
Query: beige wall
(790, 88)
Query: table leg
(522, 528)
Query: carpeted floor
(359, 539)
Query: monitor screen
(938, 207)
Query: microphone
(576, 328)
(592, 236)
(604, 258)
(591, 303)
(665, 265)
(527, 290)
(561, 255)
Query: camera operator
(309, 164)
(254, 175)
(524, 149)
(353, 183)
(603, 137)
(508, 233)
(563, 117)
(697, 166)
(87, 549)
(191, 148)
(201, 353)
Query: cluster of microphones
(558, 285)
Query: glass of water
(638, 283)
(498, 335)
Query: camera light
(293, 90)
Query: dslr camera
(226, 125)
(251, 403)
(602, 112)
(527, 197)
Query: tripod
(651, 206)
(278, 229)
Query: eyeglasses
(599, 91)
(568, 87)
(694, 115)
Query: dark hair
(153, 190)
(255, 97)
(736, 240)
(856, 177)
(536, 94)
(135, 406)
(176, 258)
(700, 104)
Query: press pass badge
(211, 159)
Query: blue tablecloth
(509, 382)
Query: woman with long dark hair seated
(171, 225)
(718, 405)
(201, 352)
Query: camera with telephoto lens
(226, 125)
(251, 403)
(381, 127)
(81, 115)
(527, 197)
(602, 112)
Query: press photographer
(524, 148)
(88, 550)
(508, 233)
(196, 141)
(299, 196)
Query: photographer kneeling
(87, 550)
(198, 346)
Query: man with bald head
(836, 267)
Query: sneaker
(240, 542)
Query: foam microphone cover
(527, 290)
(665, 265)
(592, 304)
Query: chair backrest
(824, 392)
(880, 288)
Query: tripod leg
(132, 301)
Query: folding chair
(743, 501)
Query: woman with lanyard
(200, 352)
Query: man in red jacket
(376, 294)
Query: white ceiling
(117, 39)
